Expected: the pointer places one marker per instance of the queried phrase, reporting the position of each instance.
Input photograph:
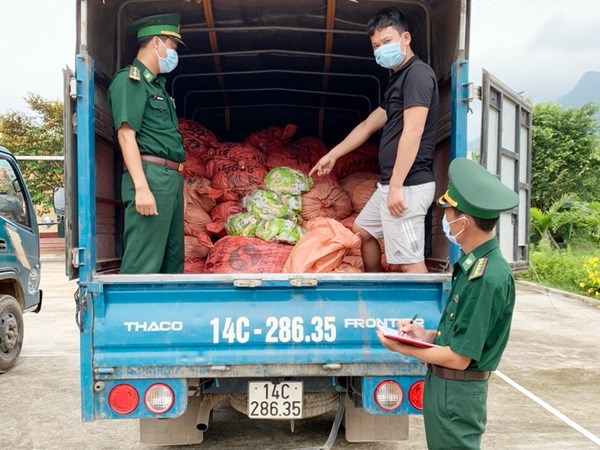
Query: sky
(538, 47)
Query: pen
(411, 322)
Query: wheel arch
(10, 285)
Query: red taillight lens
(388, 395)
(415, 395)
(159, 398)
(123, 399)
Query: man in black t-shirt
(409, 116)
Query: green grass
(562, 269)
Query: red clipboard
(393, 334)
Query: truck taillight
(123, 399)
(159, 398)
(415, 395)
(388, 395)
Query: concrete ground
(553, 353)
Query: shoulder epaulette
(478, 269)
(134, 73)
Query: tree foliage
(39, 133)
(566, 153)
(566, 218)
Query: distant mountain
(586, 91)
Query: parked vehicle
(276, 346)
(19, 259)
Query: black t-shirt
(413, 85)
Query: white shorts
(403, 236)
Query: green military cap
(160, 25)
(475, 191)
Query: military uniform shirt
(139, 98)
(476, 320)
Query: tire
(11, 332)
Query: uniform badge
(479, 269)
(468, 262)
(134, 73)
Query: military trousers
(154, 244)
(455, 412)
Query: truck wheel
(11, 332)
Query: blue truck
(20, 267)
(165, 349)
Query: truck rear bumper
(263, 370)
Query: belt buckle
(180, 167)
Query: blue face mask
(168, 64)
(389, 55)
(447, 232)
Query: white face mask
(168, 64)
(448, 233)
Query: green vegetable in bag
(285, 180)
(279, 230)
(242, 224)
(293, 202)
(264, 204)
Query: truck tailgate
(204, 322)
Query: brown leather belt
(163, 162)
(461, 375)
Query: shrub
(567, 269)
(591, 284)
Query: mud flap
(364, 427)
(179, 431)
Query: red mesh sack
(360, 186)
(220, 214)
(235, 185)
(364, 159)
(285, 156)
(193, 248)
(233, 254)
(225, 210)
(204, 135)
(270, 137)
(227, 165)
(325, 200)
(196, 192)
(193, 265)
(348, 222)
(323, 248)
(236, 152)
(330, 178)
(195, 219)
(196, 146)
(193, 166)
(313, 147)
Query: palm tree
(564, 214)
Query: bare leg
(371, 252)
(419, 267)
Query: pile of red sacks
(218, 175)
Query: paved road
(553, 353)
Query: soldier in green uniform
(475, 324)
(146, 123)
